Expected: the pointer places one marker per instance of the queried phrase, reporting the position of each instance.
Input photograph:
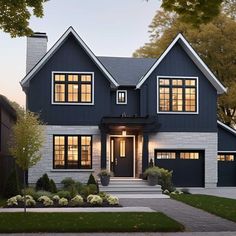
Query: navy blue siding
(70, 57)
(178, 63)
(226, 140)
(132, 106)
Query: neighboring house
(119, 113)
(7, 120)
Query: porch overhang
(133, 123)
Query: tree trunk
(24, 192)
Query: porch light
(124, 133)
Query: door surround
(134, 151)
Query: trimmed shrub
(103, 195)
(77, 200)
(56, 198)
(12, 185)
(78, 186)
(43, 183)
(19, 198)
(165, 180)
(113, 200)
(46, 201)
(88, 190)
(93, 181)
(42, 193)
(94, 199)
(53, 187)
(12, 201)
(67, 182)
(30, 202)
(63, 202)
(64, 194)
(73, 190)
(29, 191)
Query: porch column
(145, 151)
(103, 149)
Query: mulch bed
(56, 205)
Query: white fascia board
(54, 48)
(194, 56)
(226, 127)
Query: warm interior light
(123, 133)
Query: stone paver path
(193, 219)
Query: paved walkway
(228, 192)
(192, 218)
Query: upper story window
(177, 95)
(73, 88)
(121, 97)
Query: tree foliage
(197, 12)
(27, 140)
(216, 44)
(15, 15)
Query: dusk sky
(109, 27)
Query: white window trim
(126, 97)
(70, 103)
(180, 112)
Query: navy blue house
(119, 113)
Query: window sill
(72, 170)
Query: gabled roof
(127, 70)
(24, 82)
(196, 59)
(5, 104)
(226, 127)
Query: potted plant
(105, 176)
(152, 174)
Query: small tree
(27, 140)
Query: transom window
(72, 152)
(176, 154)
(177, 95)
(165, 155)
(189, 155)
(72, 88)
(121, 97)
(225, 157)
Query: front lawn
(223, 207)
(87, 222)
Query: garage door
(226, 169)
(187, 166)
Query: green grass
(223, 207)
(87, 222)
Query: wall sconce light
(123, 133)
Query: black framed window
(72, 88)
(121, 97)
(177, 95)
(177, 154)
(225, 157)
(72, 152)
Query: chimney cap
(38, 35)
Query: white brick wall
(45, 165)
(188, 140)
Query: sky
(109, 28)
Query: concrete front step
(130, 186)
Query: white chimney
(36, 49)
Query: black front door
(122, 156)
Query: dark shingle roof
(127, 70)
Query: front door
(122, 156)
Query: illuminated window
(177, 95)
(225, 157)
(189, 155)
(121, 97)
(72, 152)
(73, 88)
(122, 148)
(165, 155)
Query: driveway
(193, 219)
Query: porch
(124, 144)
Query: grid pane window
(165, 155)
(73, 88)
(72, 152)
(189, 155)
(225, 157)
(59, 151)
(177, 95)
(121, 97)
(85, 152)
